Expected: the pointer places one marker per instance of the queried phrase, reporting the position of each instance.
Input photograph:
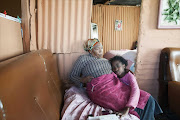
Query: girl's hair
(120, 59)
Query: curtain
(62, 25)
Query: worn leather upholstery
(30, 88)
(169, 76)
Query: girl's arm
(135, 92)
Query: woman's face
(97, 50)
(118, 68)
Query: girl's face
(97, 50)
(118, 68)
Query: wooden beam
(25, 25)
(33, 25)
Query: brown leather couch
(169, 78)
(30, 88)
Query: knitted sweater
(87, 65)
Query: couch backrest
(170, 64)
(30, 87)
(169, 70)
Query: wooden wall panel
(10, 39)
(105, 16)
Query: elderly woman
(103, 85)
(91, 65)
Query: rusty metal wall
(105, 16)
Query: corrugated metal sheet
(65, 64)
(98, 19)
(105, 16)
(63, 25)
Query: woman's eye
(96, 49)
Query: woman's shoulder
(104, 59)
(84, 57)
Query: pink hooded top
(138, 98)
(115, 93)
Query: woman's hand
(86, 79)
(124, 112)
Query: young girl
(146, 111)
(120, 92)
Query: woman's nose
(100, 50)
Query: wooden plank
(10, 39)
(25, 25)
(33, 25)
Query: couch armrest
(174, 96)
